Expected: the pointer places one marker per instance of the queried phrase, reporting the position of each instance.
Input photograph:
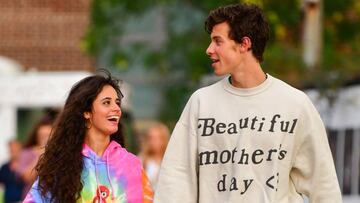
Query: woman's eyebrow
(106, 98)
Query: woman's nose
(116, 107)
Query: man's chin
(219, 73)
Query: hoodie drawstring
(97, 179)
(108, 176)
(112, 191)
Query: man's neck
(248, 77)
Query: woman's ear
(87, 115)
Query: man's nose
(210, 49)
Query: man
(12, 182)
(249, 137)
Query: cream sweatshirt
(254, 145)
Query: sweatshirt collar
(247, 91)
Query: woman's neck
(97, 142)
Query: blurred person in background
(84, 160)
(154, 145)
(33, 148)
(13, 184)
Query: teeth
(114, 117)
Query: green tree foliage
(181, 58)
(341, 59)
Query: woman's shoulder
(116, 153)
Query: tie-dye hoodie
(117, 176)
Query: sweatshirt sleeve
(313, 171)
(178, 176)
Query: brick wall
(45, 34)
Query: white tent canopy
(9, 66)
(31, 89)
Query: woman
(154, 145)
(33, 148)
(84, 160)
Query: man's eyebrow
(215, 37)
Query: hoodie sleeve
(147, 191)
(313, 171)
(178, 176)
(34, 195)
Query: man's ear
(245, 44)
(87, 115)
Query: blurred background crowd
(158, 48)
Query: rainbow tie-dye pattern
(117, 176)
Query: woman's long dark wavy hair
(60, 167)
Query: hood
(113, 151)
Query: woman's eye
(107, 102)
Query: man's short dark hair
(244, 20)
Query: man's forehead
(220, 29)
